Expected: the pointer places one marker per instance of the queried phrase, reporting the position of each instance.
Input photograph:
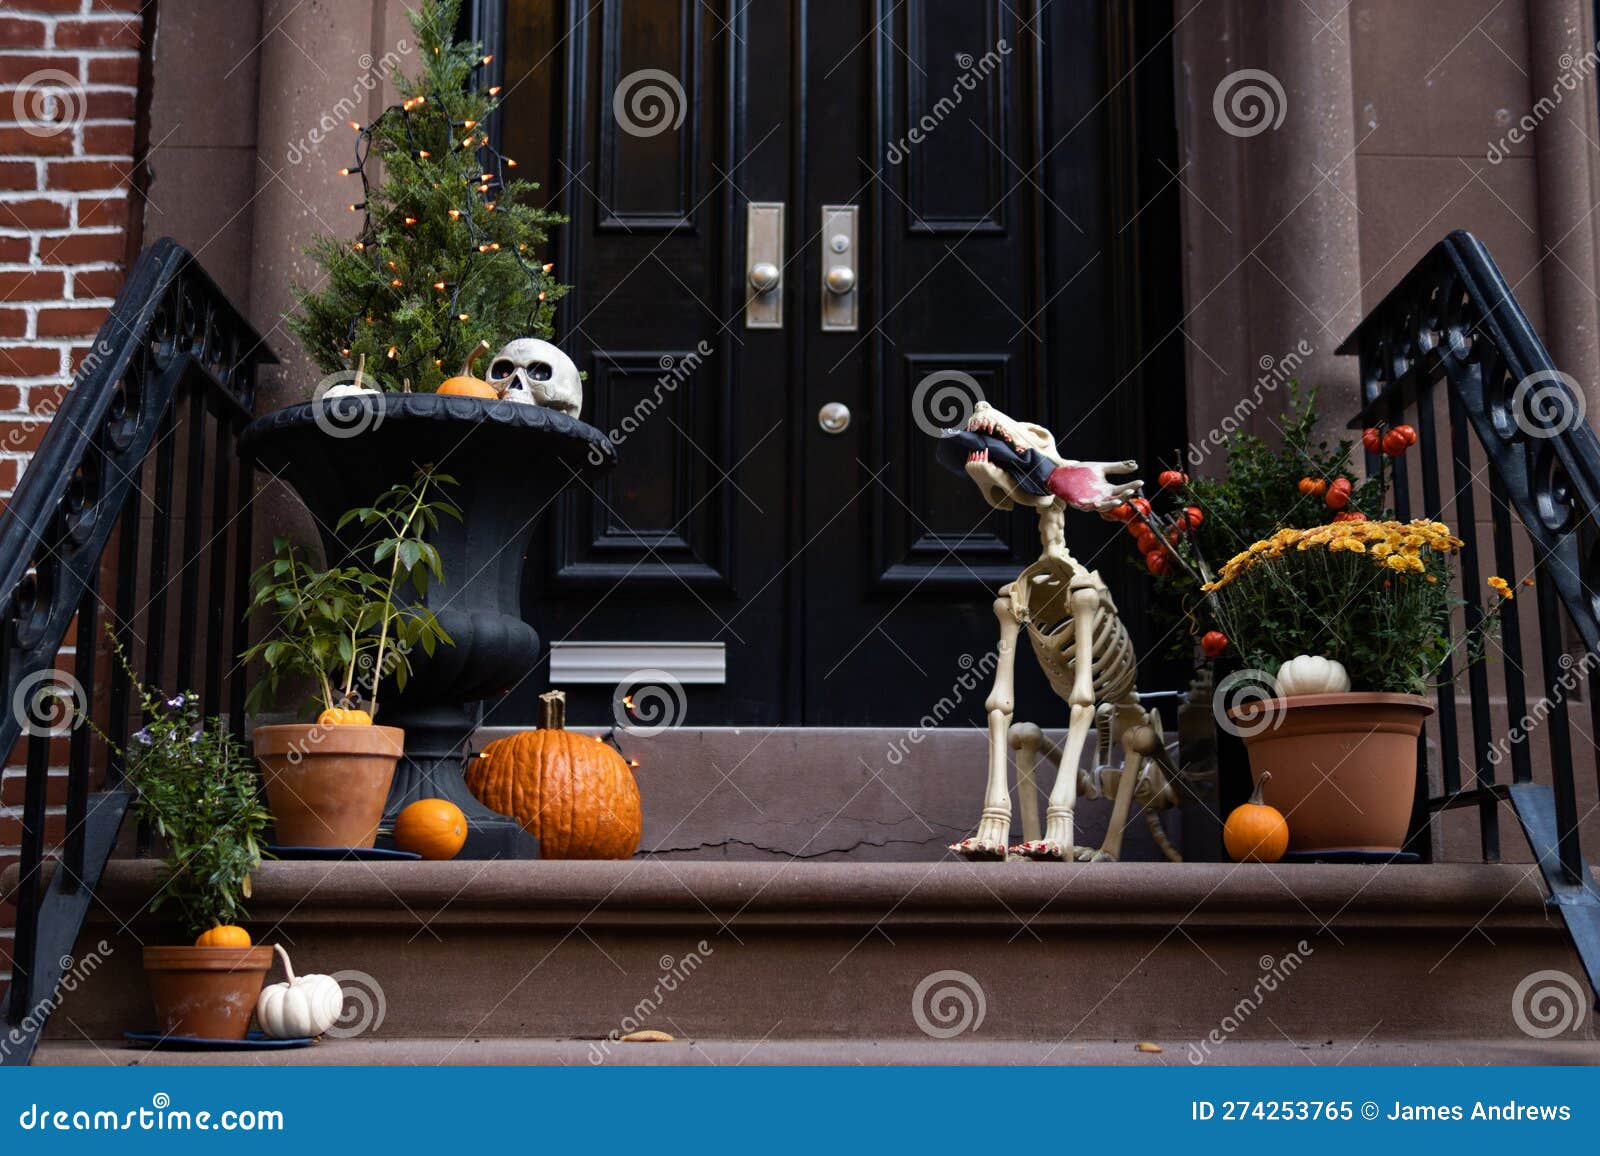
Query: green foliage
(195, 784)
(345, 623)
(435, 158)
(1258, 494)
(1260, 491)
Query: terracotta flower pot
(208, 992)
(1343, 766)
(326, 785)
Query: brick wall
(69, 77)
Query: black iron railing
(135, 488)
(1505, 454)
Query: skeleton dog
(1079, 642)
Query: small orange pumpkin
(432, 828)
(464, 384)
(1256, 832)
(224, 935)
(339, 716)
(578, 796)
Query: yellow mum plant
(1375, 595)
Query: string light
(396, 282)
(494, 90)
(355, 124)
(393, 352)
(439, 285)
(422, 154)
(510, 164)
(461, 316)
(550, 268)
(455, 214)
(344, 172)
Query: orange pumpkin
(224, 935)
(432, 828)
(464, 384)
(578, 796)
(339, 716)
(1255, 831)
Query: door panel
(1004, 193)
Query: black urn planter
(510, 462)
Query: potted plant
(1344, 626)
(347, 629)
(442, 263)
(194, 785)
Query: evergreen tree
(448, 253)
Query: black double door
(990, 177)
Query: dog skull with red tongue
(1014, 462)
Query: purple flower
(176, 702)
(194, 738)
(142, 737)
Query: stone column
(1272, 252)
(1560, 40)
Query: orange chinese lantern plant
(1256, 831)
(576, 795)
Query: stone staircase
(797, 906)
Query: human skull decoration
(535, 372)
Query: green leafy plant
(1265, 487)
(348, 628)
(195, 784)
(447, 255)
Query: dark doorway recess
(1027, 239)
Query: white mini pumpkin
(1312, 674)
(306, 1005)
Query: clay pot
(1343, 766)
(326, 785)
(206, 992)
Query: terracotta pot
(1344, 766)
(209, 992)
(326, 785)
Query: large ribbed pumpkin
(574, 793)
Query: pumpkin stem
(284, 955)
(552, 710)
(477, 352)
(1255, 795)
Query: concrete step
(752, 1053)
(544, 956)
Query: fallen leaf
(650, 1036)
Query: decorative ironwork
(1454, 321)
(173, 353)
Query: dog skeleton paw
(1093, 855)
(980, 850)
(1047, 850)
